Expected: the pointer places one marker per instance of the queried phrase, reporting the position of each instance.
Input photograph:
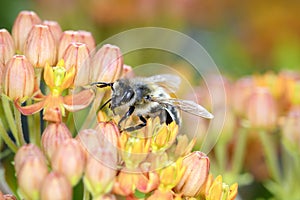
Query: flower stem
(10, 119)
(221, 155)
(239, 152)
(37, 128)
(271, 155)
(86, 194)
(19, 126)
(4, 135)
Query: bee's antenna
(103, 85)
(109, 100)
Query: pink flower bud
(261, 109)
(69, 160)
(24, 152)
(87, 38)
(22, 26)
(100, 173)
(40, 46)
(107, 64)
(55, 29)
(56, 186)
(31, 177)
(194, 178)
(7, 47)
(66, 39)
(53, 136)
(18, 78)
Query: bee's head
(122, 94)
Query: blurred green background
(241, 36)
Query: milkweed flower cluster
(42, 67)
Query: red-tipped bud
(22, 26)
(7, 47)
(194, 178)
(40, 46)
(18, 78)
(261, 109)
(31, 177)
(107, 64)
(87, 38)
(56, 186)
(26, 151)
(69, 160)
(53, 136)
(55, 29)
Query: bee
(149, 97)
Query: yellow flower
(221, 191)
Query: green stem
(19, 126)
(37, 129)
(86, 194)
(239, 152)
(4, 135)
(271, 155)
(221, 156)
(10, 119)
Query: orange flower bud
(55, 29)
(7, 47)
(195, 175)
(100, 173)
(69, 160)
(40, 46)
(106, 197)
(26, 151)
(7, 196)
(18, 78)
(261, 109)
(31, 177)
(161, 195)
(56, 186)
(53, 136)
(22, 26)
(125, 183)
(87, 38)
(107, 64)
(66, 39)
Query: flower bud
(87, 38)
(31, 177)
(291, 129)
(22, 26)
(7, 47)
(40, 46)
(125, 183)
(18, 78)
(106, 197)
(241, 91)
(55, 29)
(69, 160)
(159, 194)
(100, 173)
(66, 39)
(195, 175)
(24, 152)
(107, 64)
(53, 136)
(7, 196)
(77, 55)
(261, 109)
(56, 186)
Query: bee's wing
(168, 81)
(186, 106)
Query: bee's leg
(139, 126)
(127, 114)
